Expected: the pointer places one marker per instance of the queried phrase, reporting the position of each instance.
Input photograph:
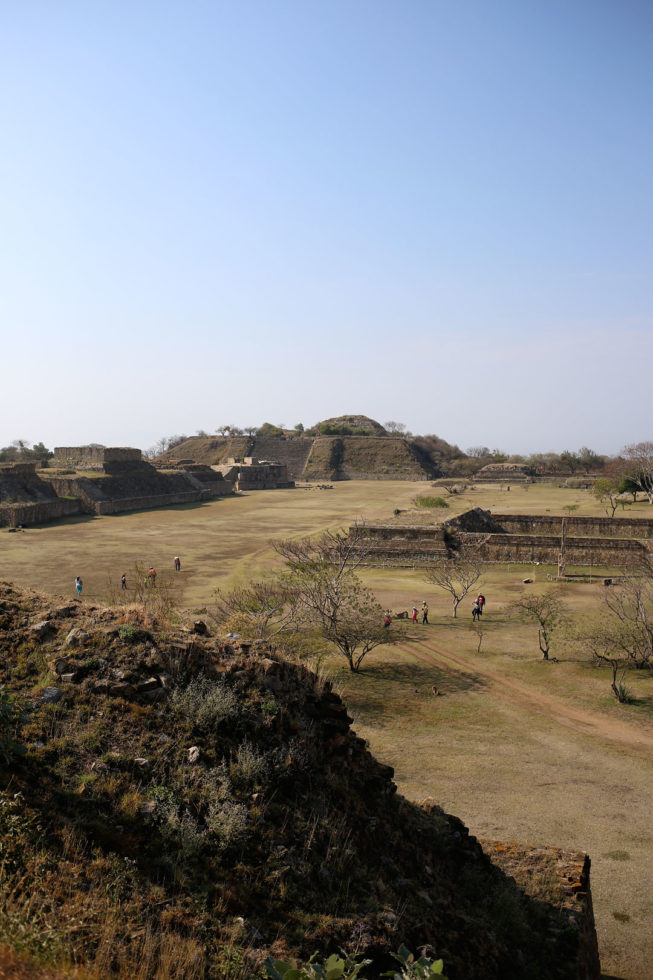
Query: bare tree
(163, 445)
(548, 612)
(457, 575)
(602, 641)
(451, 486)
(631, 607)
(639, 459)
(478, 452)
(396, 428)
(329, 596)
(261, 610)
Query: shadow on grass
(645, 705)
(385, 690)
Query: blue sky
(432, 211)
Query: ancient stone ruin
(99, 480)
(253, 474)
(588, 541)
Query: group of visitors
(477, 612)
(150, 579)
(425, 613)
(477, 608)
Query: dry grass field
(518, 748)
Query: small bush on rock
(204, 702)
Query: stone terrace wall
(544, 548)
(600, 527)
(11, 515)
(568, 874)
(407, 545)
(139, 490)
(122, 504)
(93, 457)
(19, 486)
(18, 469)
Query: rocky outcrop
(179, 757)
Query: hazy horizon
(220, 213)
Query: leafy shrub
(430, 502)
(421, 969)
(129, 633)
(204, 702)
(623, 693)
(333, 968)
(347, 968)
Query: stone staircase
(293, 452)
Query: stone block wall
(544, 548)
(94, 457)
(567, 874)
(404, 545)
(11, 515)
(256, 476)
(486, 534)
(18, 469)
(600, 527)
(119, 505)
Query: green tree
(570, 460)
(606, 490)
(589, 460)
(268, 429)
(41, 451)
(627, 485)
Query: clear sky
(434, 211)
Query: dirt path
(516, 693)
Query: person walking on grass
(425, 614)
(79, 584)
(481, 604)
(177, 564)
(476, 611)
(415, 614)
(123, 582)
(152, 577)
(387, 619)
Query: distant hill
(350, 425)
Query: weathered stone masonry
(513, 538)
